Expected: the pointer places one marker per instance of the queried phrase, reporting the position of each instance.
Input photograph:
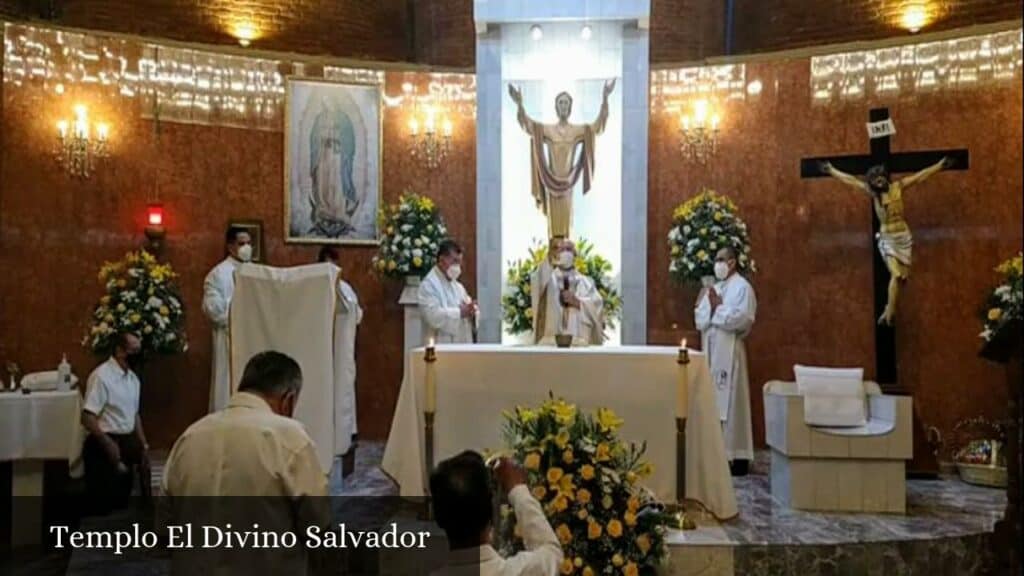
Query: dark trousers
(109, 488)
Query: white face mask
(721, 270)
(453, 272)
(245, 253)
(566, 260)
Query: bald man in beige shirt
(252, 448)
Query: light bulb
(414, 127)
(102, 130)
(700, 112)
(446, 127)
(536, 32)
(586, 32)
(62, 128)
(915, 16)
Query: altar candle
(431, 391)
(682, 386)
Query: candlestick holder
(682, 520)
(683, 357)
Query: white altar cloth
(475, 383)
(41, 426)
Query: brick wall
(764, 25)
(375, 29)
(685, 30)
(443, 32)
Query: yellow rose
(565, 485)
(607, 420)
(532, 461)
(539, 492)
(582, 514)
(631, 477)
(614, 528)
(148, 329)
(675, 250)
(607, 502)
(588, 571)
(577, 562)
(554, 474)
(629, 518)
(135, 318)
(603, 452)
(718, 216)
(564, 534)
(631, 569)
(633, 504)
(617, 560)
(165, 311)
(587, 472)
(566, 567)
(594, 530)
(561, 504)
(529, 312)
(583, 496)
(562, 439)
(994, 314)
(417, 261)
(643, 542)
(392, 265)
(567, 456)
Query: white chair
(856, 469)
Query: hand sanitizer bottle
(64, 374)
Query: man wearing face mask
(217, 292)
(252, 448)
(564, 301)
(449, 314)
(724, 315)
(116, 443)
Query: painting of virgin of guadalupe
(332, 162)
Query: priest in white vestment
(564, 301)
(348, 315)
(449, 314)
(725, 315)
(218, 290)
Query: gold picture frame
(347, 120)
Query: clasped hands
(468, 309)
(568, 298)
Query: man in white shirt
(116, 443)
(462, 500)
(449, 314)
(252, 448)
(218, 289)
(348, 315)
(724, 315)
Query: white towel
(832, 396)
(291, 310)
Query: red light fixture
(155, 214)
(155, 227)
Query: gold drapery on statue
(553, 193)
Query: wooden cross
(858, 164)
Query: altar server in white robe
(218, 289)
(449, 314)
(347, 316)
(564, 301)
(725, 315)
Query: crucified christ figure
(894, 239)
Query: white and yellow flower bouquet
(412, 230)
(701, 227)
(1004, 302)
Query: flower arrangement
(588, 482)
(515, 303)
(1004, 303)
(412, 230)
(140, 297)
(701, 226)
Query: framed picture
(332, 149)
(255, 230)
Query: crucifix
(892, 259)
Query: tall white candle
(683, 384)
(430, 405)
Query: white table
(33, 428)
(475, 383)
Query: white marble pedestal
(413, 319)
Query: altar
(476, 383)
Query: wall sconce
(915, 15)
(80, 146)
(429, 146)
(245, 33)
(699, 133)
(154, 230)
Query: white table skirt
(41, 426)
(475, 383)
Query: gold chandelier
(699, 133)
(430, 146)
(79, 146)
